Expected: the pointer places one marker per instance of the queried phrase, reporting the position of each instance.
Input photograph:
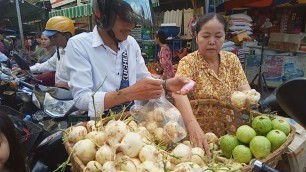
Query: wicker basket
(222, 118)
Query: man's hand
(180, 85)
(145, 89)
(19, 72)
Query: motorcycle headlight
(56, 108)
(35, 101)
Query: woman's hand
(197, 137)
(180, 85)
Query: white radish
(131, 144)
(158, 134)
(197, 156)
(151, 126)
(89, 125)
(148, 153)
(77, 133)
(91, 135)
(104, 154)
(238, 99)
(159, 114)
(149, 116)
(181, 153)
(100, 138)
(144, 132)
(252, 96)
(211, 138)
(132, 126)
(93, 166)
(109, 166)
(126, 164)
(181, 133)
(136, 161)
(115, 132)
(148, 166)
(173, 114)
(85, 150)
(172, 128)
(187, 166)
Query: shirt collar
(97, 40)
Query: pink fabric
(165, 59)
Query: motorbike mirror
(23, 65)
(55, 92)
(291, 96)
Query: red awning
(246, 3)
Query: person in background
(60, 29)
(12, 156)
(2, 47)
(38, 47)
(217, 73)
(48, 49)
(164, 55)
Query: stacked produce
(256, 141)
(154, 139)
(124, 145)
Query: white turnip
(85, 150)
(131, 144)
(77, 133)
(93, 166)
(104, 154)
(115, 132)
(148, 153)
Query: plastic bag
(159, 114)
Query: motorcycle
(51, 108)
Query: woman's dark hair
(161, 35)
(16, 160)
(207, 17)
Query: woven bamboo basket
(223, 118)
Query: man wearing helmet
(60, 29)
(105, 66)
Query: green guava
(242, 154)
(227, 144)
(280, 124)
(262, 124)
(260, 146)
(245, 134)
(277, 138)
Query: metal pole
(20, 25)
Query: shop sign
(58, 3)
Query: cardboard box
(296, 154)
(240, 36)
(286, 42)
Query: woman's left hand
(180, 85)
(198, 137)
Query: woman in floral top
(164, 55)
(216, 73)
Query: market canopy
(231, 4)
(28, 11)
(73, 12)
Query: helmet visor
(135, 11)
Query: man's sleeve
(47, 66)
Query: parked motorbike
(49, 107)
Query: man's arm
(47, 66)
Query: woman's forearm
(183, 105)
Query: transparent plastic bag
(160, 113)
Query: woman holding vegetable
(11, 153)
(217, 73)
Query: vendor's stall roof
(231, 4)
(73, 12)
(28, 11)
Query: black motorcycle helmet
(133, 11)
